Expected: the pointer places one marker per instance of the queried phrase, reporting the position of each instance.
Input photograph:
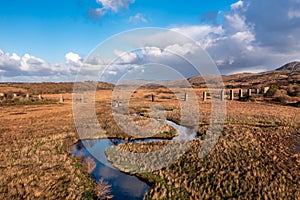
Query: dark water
(124, 186)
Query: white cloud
(125, 58)
(235, 22)
(31, 68)
(250, 38)
(114, 5)
(73, 58)
(201, 33)
(293, 14)
(182, 49)
(109, 5)
(198, 32)
(168, 53)
(245, 36)
(14, 57)
(133, 62)
(30, 63)
(8, 64)
(152, 51)
(237, 5)
(137, 19)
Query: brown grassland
(257, 156)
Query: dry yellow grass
(255, 156)
(33, 161)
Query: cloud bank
(254, 36)
(248, 40)
(30, 68)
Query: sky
(50, 40)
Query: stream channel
(124, 186)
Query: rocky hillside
(284, 81)
(293, 66)
(284, 76)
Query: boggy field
(257, 155)
(34, 163)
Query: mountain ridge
(292, 66)
(288, 74)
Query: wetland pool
(123, 186)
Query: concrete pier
(61, 100)
(185, 96)
(266, 89)
(241, 93)
(249, 92)
(231, 94)
(204, 96)
(222, 95)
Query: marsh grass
(255, 157)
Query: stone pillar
(222, 95)
(249, 92)
(185, 96)
(117, 104)
(27, 96)
(81, 98)
(61, 100)
(257, 91)
(266, 89)
(204, 96)
(241, 93)
(152, 97)
(231, 94)
(15, 95)
(40, 97)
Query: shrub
(272, 90)
(293, 90)
(282, 98)
(102, 190)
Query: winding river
(124, 186)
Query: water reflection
(124, 186)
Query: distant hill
(287, 75)
(48, 87)
(284, 81)
(293, 66)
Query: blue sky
(45, 40)
(50, 29)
